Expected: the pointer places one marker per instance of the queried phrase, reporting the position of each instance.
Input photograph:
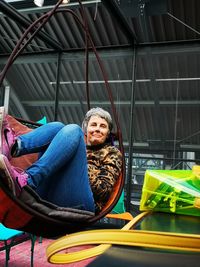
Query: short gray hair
(97, 112)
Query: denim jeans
(60, 174)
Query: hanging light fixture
(41, 2)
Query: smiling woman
(97, 126)
(97, 131)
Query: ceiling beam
(105, 53)
(45, 103)
(28, 8)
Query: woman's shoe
(13, 177)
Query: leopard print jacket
(104, 168)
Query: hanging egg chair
(29, 212)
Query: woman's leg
(60, 175)
(37, 140)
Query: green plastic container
(175, 191)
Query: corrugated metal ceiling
(166, 91)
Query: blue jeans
(60, 174)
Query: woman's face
(97, 131)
